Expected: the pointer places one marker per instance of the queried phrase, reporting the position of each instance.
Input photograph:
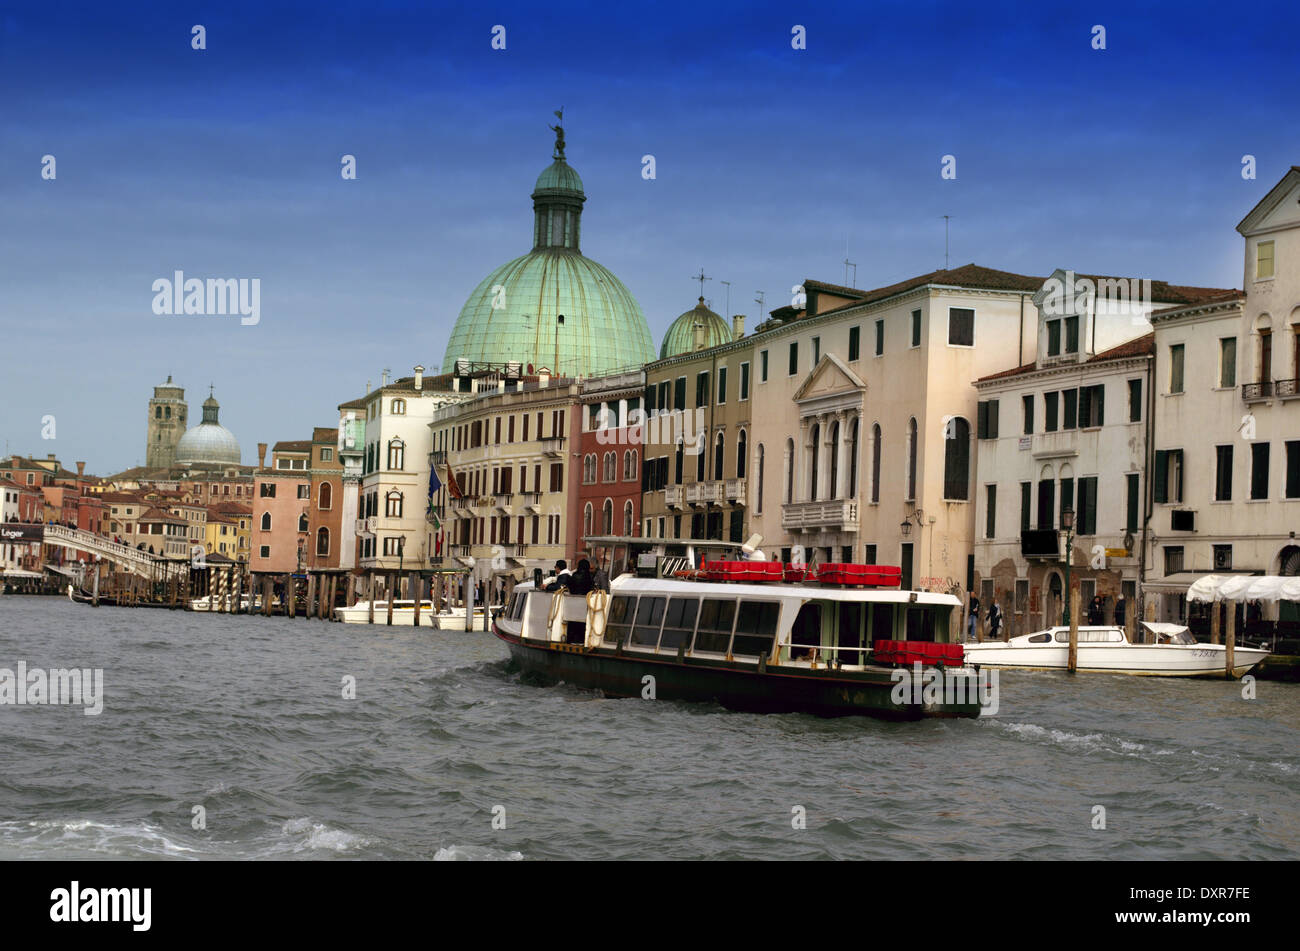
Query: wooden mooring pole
(1072, 664)
(1230, 641)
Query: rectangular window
(1072, 334)
(1263, 260)
(1053, 338)
(987, 419)
(1176, 368)
(744, 382)
(854, 334)
(1223, 473)
(1085, 518)
(702, 389)
(1131, 502)
(1222, 557)
(1169, 475)
(794, 358)
(916, 328)
(1173, 559)
(679, 397)
(268, 492)
(1027, 408)
(1092, 406)
(762, 366)
(816, 350)
(880, 337)
(961, 327)
(1026, 491)
(1259, 470)
(990, 511)
(1069, 408)
(1293, 469)
(1228, 362)
(1135, 401)
(722, 385)
(1049, 411)
(871, 555)
(304, 492)
(1046, 504)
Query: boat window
(882, 622)
(1183, 637)
(920, 624)
(1063, 637)
(807, 631)
(619, 624)
(755, 627)
(716, 619)
(679, 622)
(1116, 637)
(1040, 638)
(649, 614)
(851, 613)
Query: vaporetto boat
(827, 645)
(1107, 650)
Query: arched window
(611, 467)
(814, 457)
(399, 407)
(853, 458)
(607, 517)
(956, 460)
(322, 541)
(393, 504)
(875, 462)
(586, 519)
(627, 517)
(302, 523)
(719, 446)
(835, 461)
(326, 498)
(758, 499)
(911, 459)
(589, 468)
(396, 453)
(266, 521)
(741, 444)
(789, 471)
(629, 466)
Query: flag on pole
(434, 486)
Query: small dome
(681, 335)
(209, 441)
(558, 176)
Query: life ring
(597, 608)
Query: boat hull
(738, 686)
(1151, 660)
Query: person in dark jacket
(995, 620)
(582, 581)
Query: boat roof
(626, 584)
(1163, 627)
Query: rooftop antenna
(945, 241)
(727, 284)
(761, 301)
(701, 278)
(849, 264)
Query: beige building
(1226, 463)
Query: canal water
(246, 718)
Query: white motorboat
(224, 602)
(451, 617)
(1107, 650)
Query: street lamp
(1067, 523)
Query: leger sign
(18, 533)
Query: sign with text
(20, 533)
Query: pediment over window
(831, 377)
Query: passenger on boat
(582, 581)
(562, 576)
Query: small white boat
(224, 602)
(450, 618)
(1106, 650)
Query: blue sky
(770, 163)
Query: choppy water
(244, 717)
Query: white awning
(21, 573)
(1245, 588)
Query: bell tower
(166, 425)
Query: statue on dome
(558, 129)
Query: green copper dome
(681, 335)
(514, 314)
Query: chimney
(737, 326)
(455, 384)
(419, 377)
(543, 377)
(367, 387)
(698, 342)
(384, 378)
(261, 455)
(81, 470)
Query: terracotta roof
(321, 434)
(1138, 347)
(298, 445)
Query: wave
(475, 853)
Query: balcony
(553, 446)
(501, 502)
(673, 496)
(735, 490)
(1257, 392)
(1041, 543)
(438, 457)
(462, 508)
(533, 502)
(836, 515)
(704, 493)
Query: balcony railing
(553, 445)
(704, 493)
(1254, 392)
(1286, 389)
(501, 501)
(533, 501)
(830, 516)
(673, 495)
(438, 457)
(735, 490)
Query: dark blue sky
(770, 161)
